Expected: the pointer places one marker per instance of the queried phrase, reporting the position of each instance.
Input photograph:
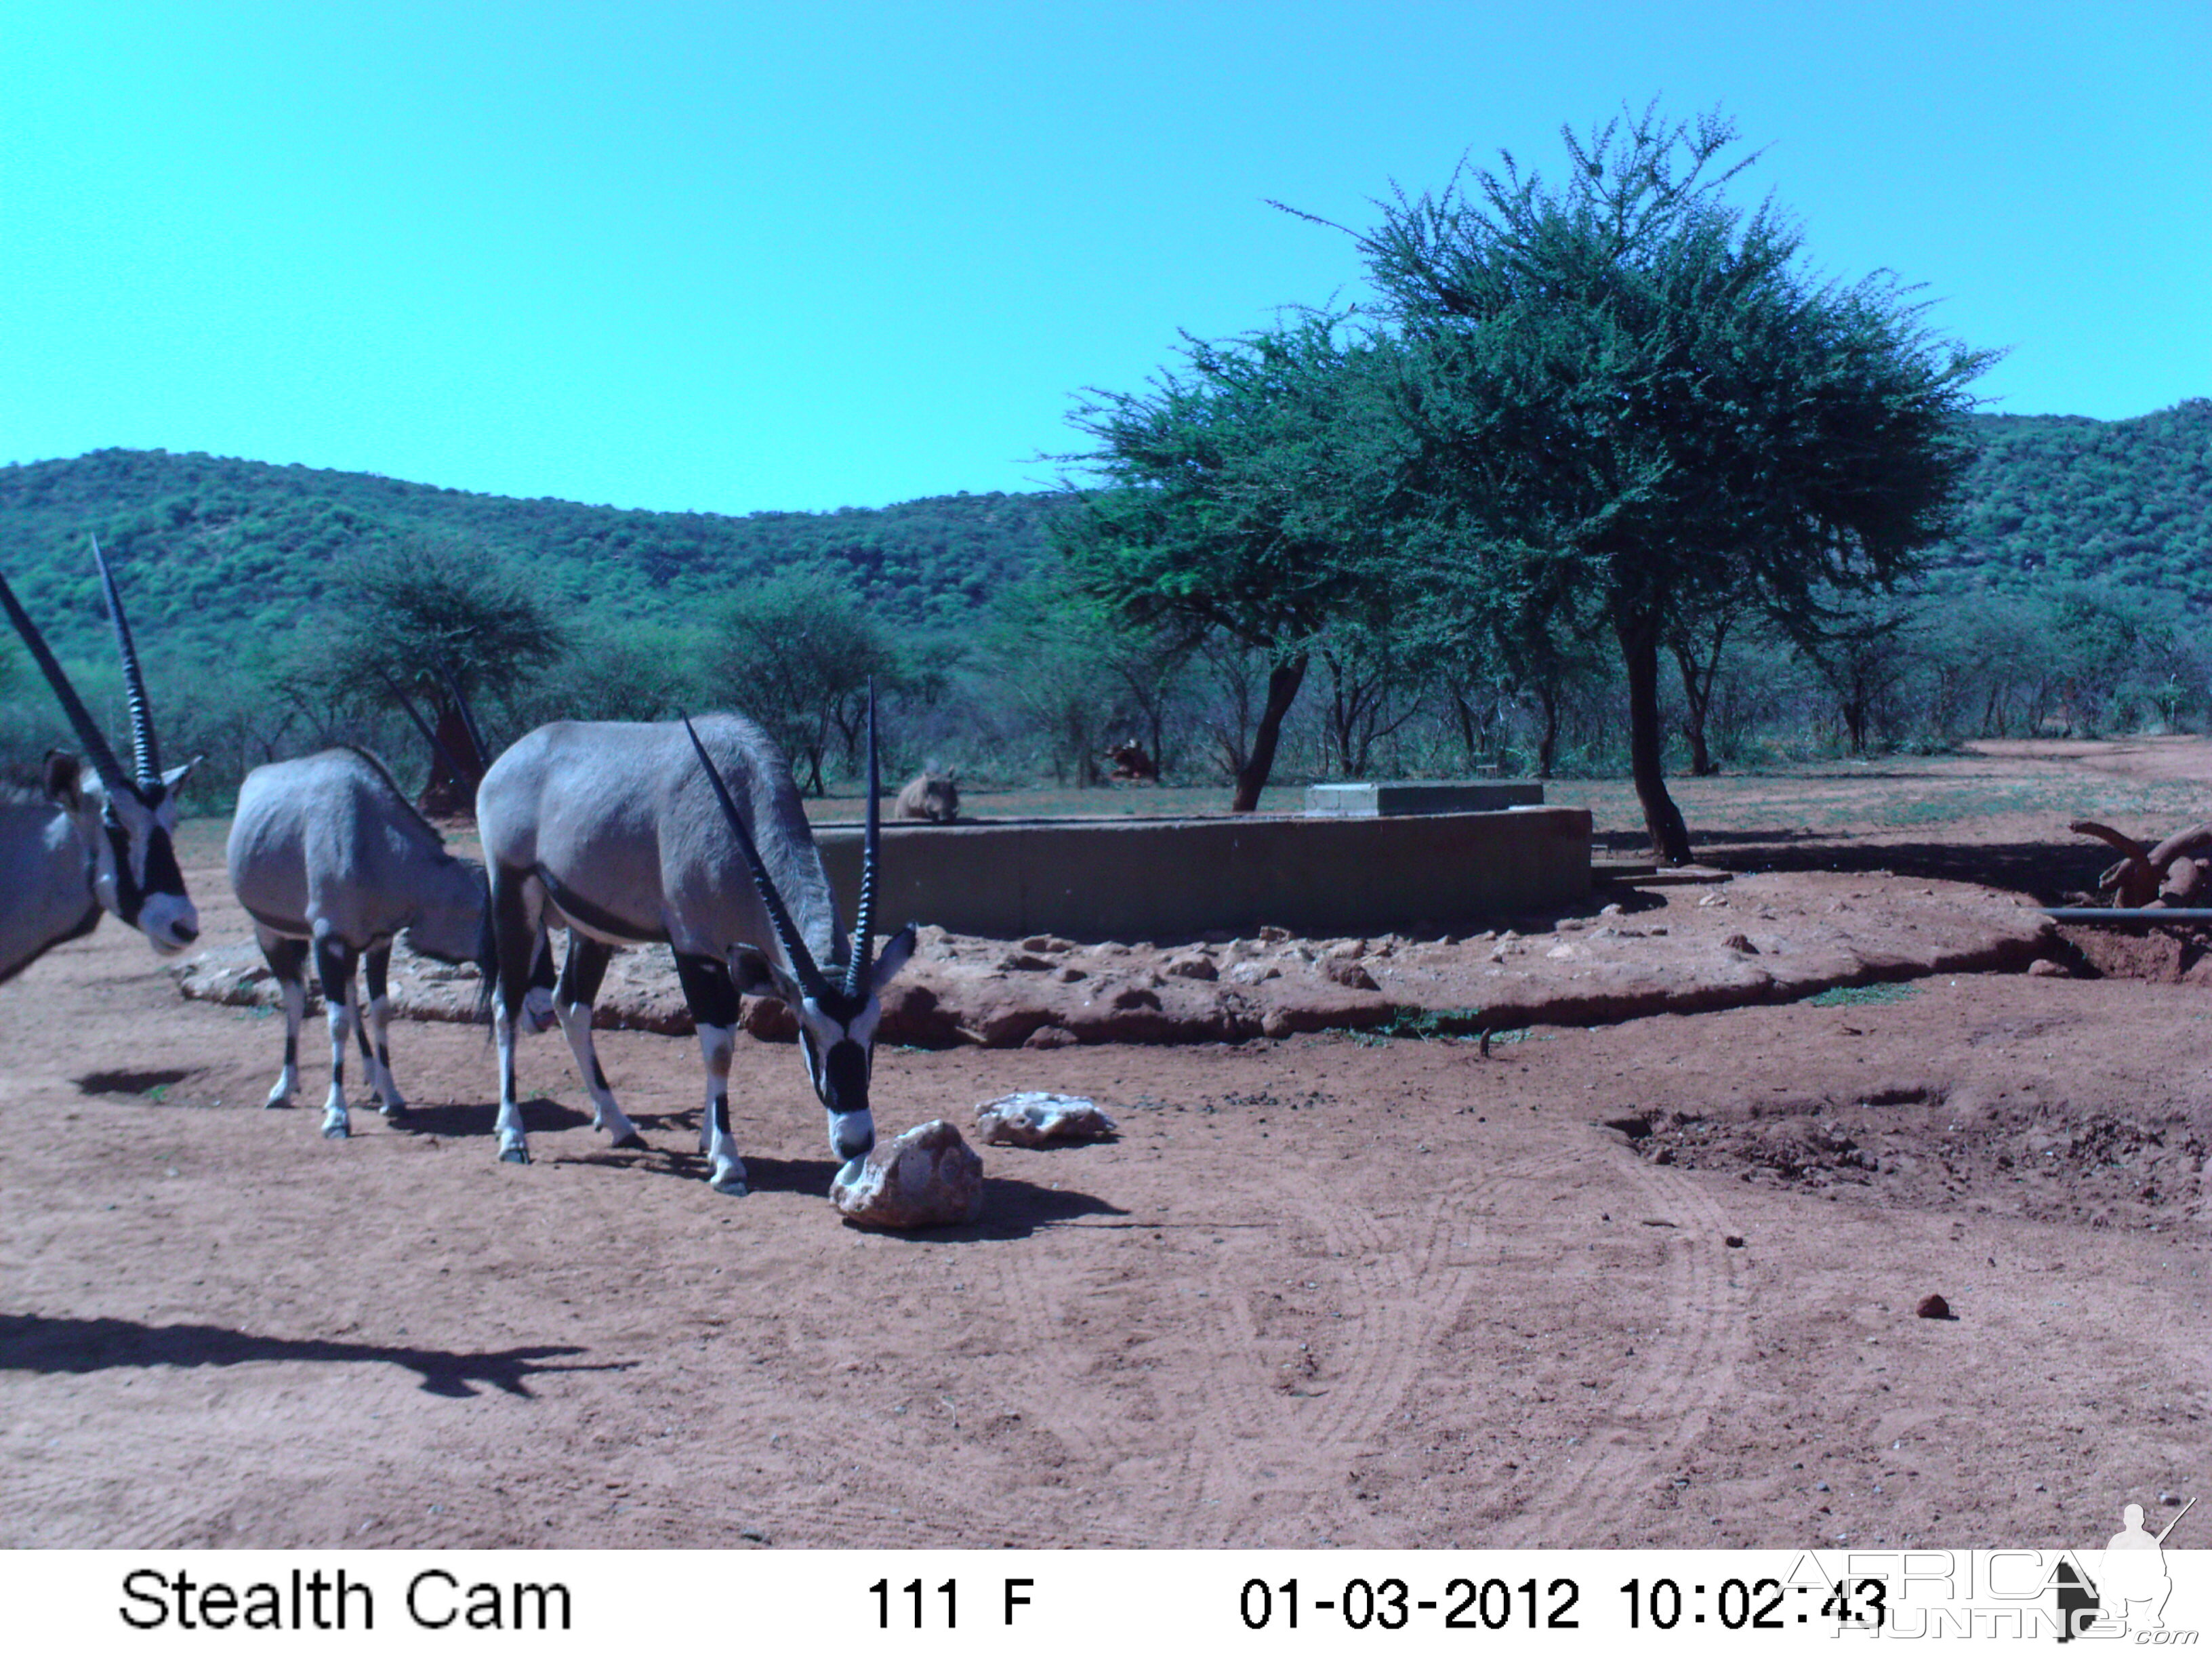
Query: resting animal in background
(1131, 764)
(933, 796)
(638, 834)
(93, 843)
(327, 853)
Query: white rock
(1033, 1118)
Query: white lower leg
(295, 1007)
(514, 1148)
(727, 1170)
(576, 1025)
(380, 1069)
(337, 1125)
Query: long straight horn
(864, 924)
(79, 717)
(134, 679)
(802, 968)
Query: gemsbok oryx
(93, 843)
(693, 837)
(327, 853)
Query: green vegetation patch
(1435, 1024)
(1852, 996)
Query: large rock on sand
(927, 1178)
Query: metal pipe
(2080, 915)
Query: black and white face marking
(841, 1056)
(836, 1032)
(135, 874)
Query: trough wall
(1166, 878)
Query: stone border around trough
(1759, 940)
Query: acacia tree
(435, 619)
(797, 653)
(1623, 386)
(1248, 499)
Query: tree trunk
(1465, 712)
(1640, 649)
(1283, 682)
(1697, 697)
(1854, 704)
(1547, 745)
(449, 793)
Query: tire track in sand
(1685, 1366)
(1399, 1282)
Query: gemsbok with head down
(328, 855)
(93, 843)
(693, 837)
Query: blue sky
(732, 258)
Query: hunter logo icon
(2131, 1585)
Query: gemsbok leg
(514, 921)
(712, 996)
(334, 967)
(375, 965)
(581, 974)
(288, 962)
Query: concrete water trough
(1393, 800)
(1165, 878)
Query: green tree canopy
(432, 618)
(1249, 497)
(1623, 388)
(796, 652)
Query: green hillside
(213, 546)
(2056, 500)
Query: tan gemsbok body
(327, 854)
(93, 843)
(694, 837)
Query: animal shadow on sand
(474, 1123)
(128, 1083)
(78, 1347)
(1012, 1208)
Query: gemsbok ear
(177, 775)
(750, 973)
(892, 957)
(64, 780)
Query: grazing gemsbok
(693, 837)
(327, 853)
(95, 843)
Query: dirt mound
(2100, 1168)
(2168, 956)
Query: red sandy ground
(1650, 1283)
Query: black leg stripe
(708, 992)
